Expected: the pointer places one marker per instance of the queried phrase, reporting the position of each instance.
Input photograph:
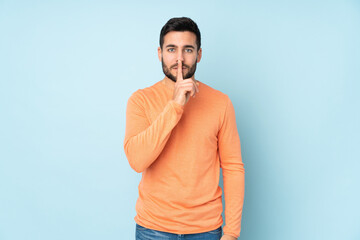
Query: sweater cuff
(231, 234)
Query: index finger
(179, 71)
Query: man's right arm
(143, 141)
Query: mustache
(184, 65)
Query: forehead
(180, 38)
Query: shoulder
(143, 93)
(216, 96)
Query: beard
(167, 71)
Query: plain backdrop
(67, 69)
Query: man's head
(180, 39)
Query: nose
(180, 56)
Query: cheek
(191, 60)
(168, 59)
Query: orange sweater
(179, 150)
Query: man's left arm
(233, 172)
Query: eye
(171, 49)
(189, 50)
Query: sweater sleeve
(143, 141)
(233, 171)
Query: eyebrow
(186, 46)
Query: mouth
(177, 68)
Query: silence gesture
(184, 88)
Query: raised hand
(184, 88)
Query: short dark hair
(180, 24)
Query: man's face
(179, 46)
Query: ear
(199, 55)
(159, 53)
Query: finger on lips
(180, 77)
(179, 70)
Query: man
(179, 132)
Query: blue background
(67, 68)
